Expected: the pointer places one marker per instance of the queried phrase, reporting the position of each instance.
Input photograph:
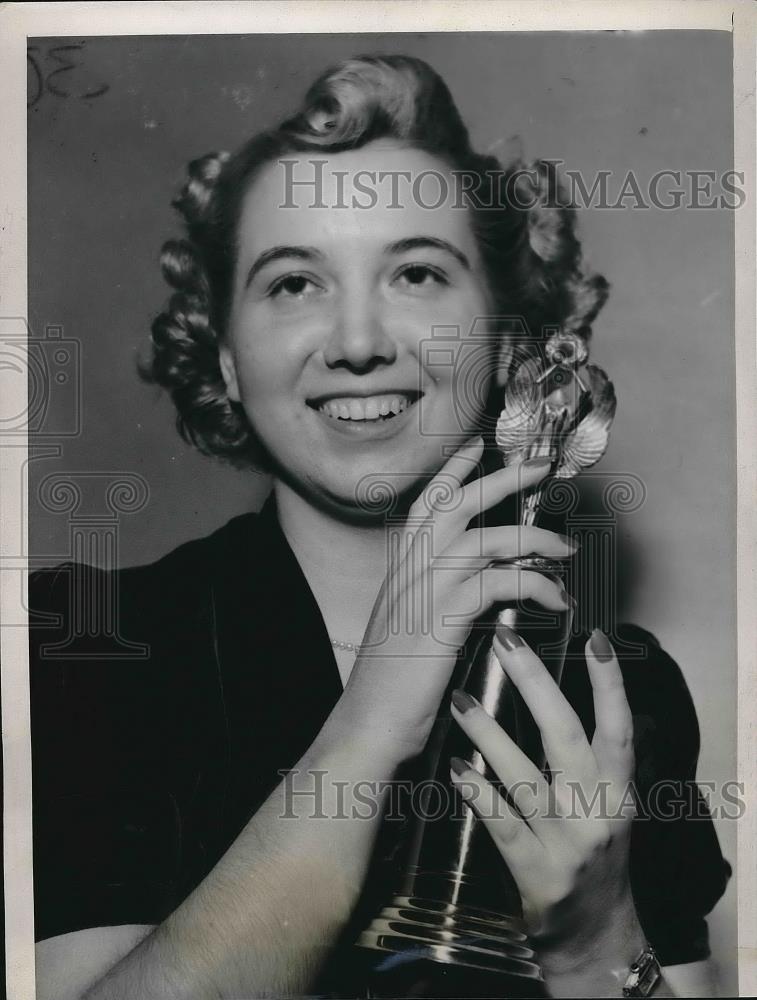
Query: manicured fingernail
(459, 766)
(537, 463)
(567, 600)
(509, 639)
(463, 701)
(600, 646)
(572, 542)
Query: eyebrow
(277, 253)
(421, 242)
(312, 253)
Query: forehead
(365, 197)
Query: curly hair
(528, 244)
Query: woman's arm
(265, 918)
(601, 970)
(693, 979)
(68, 964)
(262, 922)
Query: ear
(229, 372)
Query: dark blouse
(167, 697)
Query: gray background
(102, 171)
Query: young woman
(172, 859)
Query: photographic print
(378, 475)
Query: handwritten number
(64, 56)
(65, 66)
(98, 92)
(35, 89)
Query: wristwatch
(644, 976)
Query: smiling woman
(173, 843)
(320, 338)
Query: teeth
(364, 408)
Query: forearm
(264, 919)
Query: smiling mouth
(370, 409)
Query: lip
(374, 430)
(412, 394)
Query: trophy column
(455, 904)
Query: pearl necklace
(351, 647)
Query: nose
(359, 338)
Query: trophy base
(419, 936)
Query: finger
(445, 508)
(446, 511)
(429, 528)
(490, 490)
(562, 732)
(613, 735)
(479, 546)
(525, 784)
(509, 583)
(444, 490)
(522, 851)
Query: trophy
(454, 925)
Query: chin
(364, 499)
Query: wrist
(371, 739)
(595, 964)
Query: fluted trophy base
(420, 948)
(435, 940)
(451, 934)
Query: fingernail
(537, 463)
(600, 646)
(509, 639)
(568, 601)
(459, 766)
(463, 701)
(475, 442)
(572, 542)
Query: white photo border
(21, 20)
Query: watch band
(644, 975)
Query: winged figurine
(563, 409)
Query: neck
(343, 563)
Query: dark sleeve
(678, 872)
(115, 743)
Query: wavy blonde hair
(528, 244)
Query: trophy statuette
(454, 922)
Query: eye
(420, 278)
(293, 286)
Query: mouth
(376, 409)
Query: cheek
(471, 380)
(267, 357)
(435, 332)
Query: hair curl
(531, 253)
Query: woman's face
(331, 345)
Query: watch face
(644, 976)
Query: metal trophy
(454, 923)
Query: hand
(566, 842)
(436, 586)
